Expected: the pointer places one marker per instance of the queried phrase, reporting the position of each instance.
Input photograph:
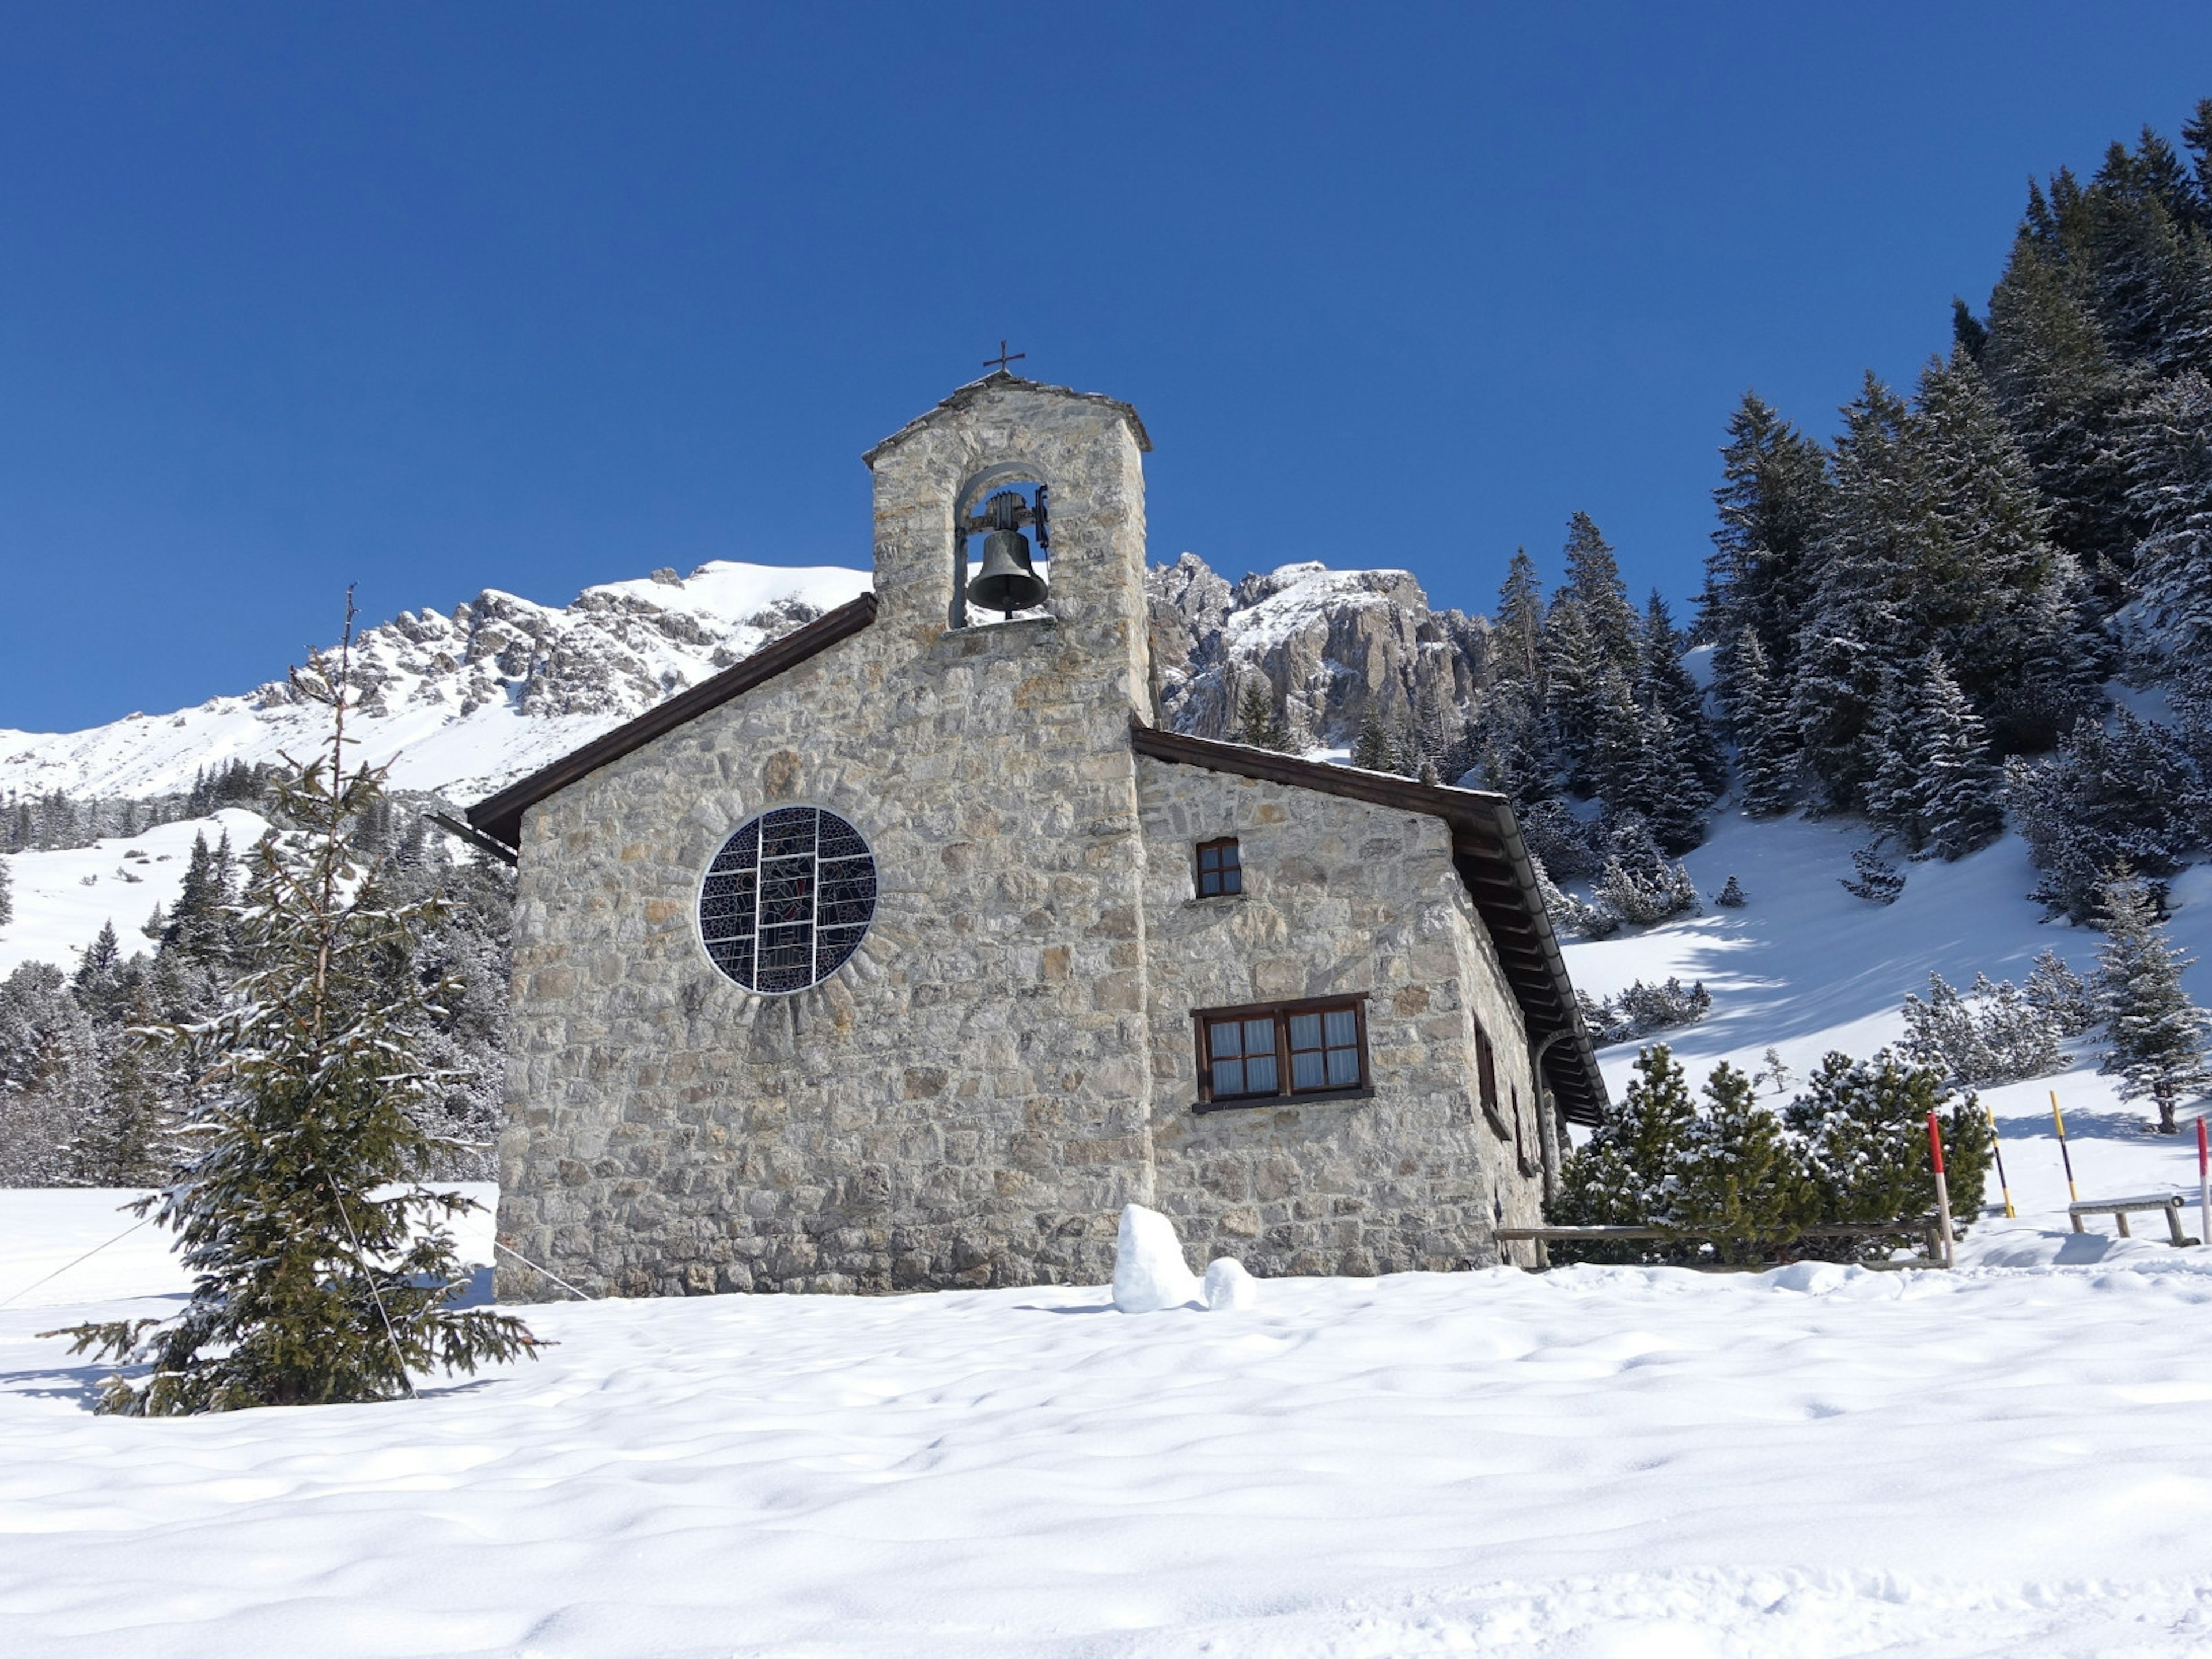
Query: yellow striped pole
(1998, 1148)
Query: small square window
(1219, 872)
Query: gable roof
(1491, 861)
(1001, 380)
(499, 816)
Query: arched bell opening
(1001, 546)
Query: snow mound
(1149, 1271)
(1229, 1287)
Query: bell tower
(1018, 508)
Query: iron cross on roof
(1001, 361)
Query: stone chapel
(906, 951)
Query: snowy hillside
(1805, 968)
(466, 701)
(64, 897)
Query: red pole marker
(2203, 1187)
(1943, 1192)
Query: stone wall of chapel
(967, 1101)
(1339, 897)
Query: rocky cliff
(1329, 644)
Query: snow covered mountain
(462, 702)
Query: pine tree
(1732, 896)
(1963, 808)
(200, 926)
(315, 1281)
(2060, 994)
(1373, 749)
(2157, 1036)
(1620, 1176)
(1258, 725)
(1736, 1176)
(1862, 1125)
(2122, 795)
(1766, 739)
(1516, 632)
(6, 893)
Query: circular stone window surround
(786, 899)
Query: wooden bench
(2121, 1208)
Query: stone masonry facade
(1009, 1058)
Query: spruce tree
(7, 892)
(1258, 725)
(1373, 749)
(323, 1268)
(1962, 806)
(1771, 503)
(2169, 449)
(1668, 684)
(1862, 1125)
(2157, 1037)
(1516, 632)
(1736, 1176)
(1766, 740)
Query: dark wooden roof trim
(1493, 864)
(499, 816)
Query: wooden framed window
(1219, 873)
(1485, 1077)
(1272, 1051)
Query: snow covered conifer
(1766, 739)
(1863, 1127)
(1731, 898)
(1961, 805)
(2157, 1036)
(2060, 994)
(1736, 1176)
(1620, 1176)
(1373, 749)
(6, 893)
(1878, 881)
(323, 1268)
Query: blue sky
(434, 299)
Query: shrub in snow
(1228, 1285)
(1879, 881)
(1570, 915)
(2157, 1036)
(1727, 1177)
(1738, 1184)
(1863, 1128)
(1993, 1033)
(1730, 898)
(323, 1270)
(1150, 1273)
(2058, 993)
(1639, 885)
(1643, 1008)
(1561, 840)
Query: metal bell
(1007, 582)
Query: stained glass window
(787, 900)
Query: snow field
(64, 897)
(1820, 1460)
